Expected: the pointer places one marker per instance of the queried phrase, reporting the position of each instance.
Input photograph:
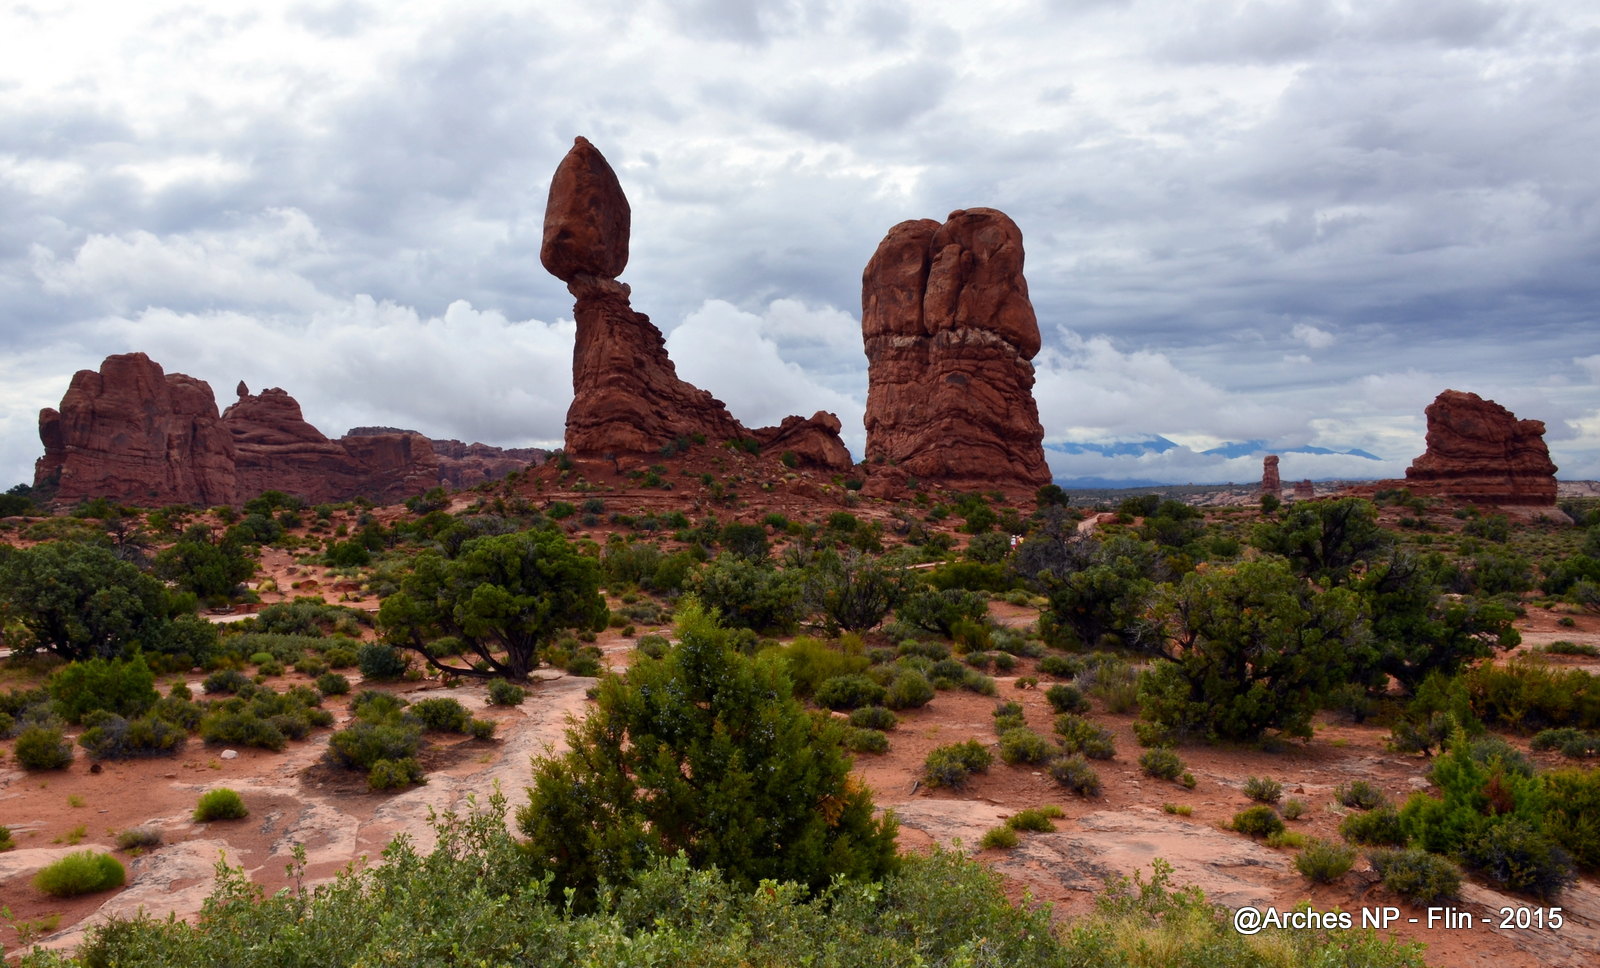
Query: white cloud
(1317, 339)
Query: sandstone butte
(1270, 482)
(132, 432)
(950, 333)
(1478, 451)
(627, 399)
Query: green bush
(227, 680)
(1023, 745)
(138, 838)
(85, 872)
(43, 748)
(1416, 875)
(503, 693)
(380, 663)
(1323, 861)
(1036, 819)
(332, 684)
(999, 838)
(953, 765)
(1162, 762)
(873, 717)
(1263, 789)
(1060, 666)
(114, 738)
(394, 774)
(1575, 743)
(125, 687)
(1079, 735)
(1516, 856)
(1572, 813)
(481, 729)
(1066, 699)
(1075, 773)
(1359, 794)
(6, 843)
(865, 741)
(442, 715)
(220, 804)
(1292, 809)
(909, 690)
(1380, 827)
(363, 743)
(849, 692)
(1258, 821)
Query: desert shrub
(1416, 875)
(42, 748)
(1162, 762)
(1263, 789)
(1574, 743)
(873, 717)
(1008, 715)
(811, 662)
(1572, 813)
(332, 684)
(948, 670)
(1516, 856)
(481, 729)
(375, 704)
(393, 774)
(749, 595)
(849, 692)
(1292, 809)
(220, 804)
(932, 651)
(1060, 666)
(85, 872)
(1066, 699)
(363, 743)
(122, 686)
(227, 680)
(138, 838)
(379, 662)
(953, 765)
(1257, 821)
(1380, 827)
(443, 715)
(1036, 819)
(1079, 735)
(1023, 745)
(1002, 837)
(6, 843)
(1359, 794)
(865, 741)
(179, 710)
(1527, 695)
(909, 690)
(1323, 861)
(974, 681)
(503, 693)
(1075, 773)
(940, 611)
(1288, 838)
(114, 738)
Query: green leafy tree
(1105, 597)
(79, 601)
(750, 595)
(704, 751)
(198, 563)
(1418, 629)
(853, 590)
(1325, 541)
(503, 597)
(1251, 648)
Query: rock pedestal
(1270, 484)
(1478, 451)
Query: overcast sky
(1288, 220)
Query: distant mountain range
(1160, 445)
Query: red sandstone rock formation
(1270, 483)
(131, 432)
(949, 334)
(1304, 491)
(463, 465)
(1478, 451)
(627, 398)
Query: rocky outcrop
(1478, 451)
(131, 432)
(1270, 482)
(813, 441)
(949, 333)
(627, 398)
(1304, 491)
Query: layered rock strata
(627, 398)
(1270, 482)
(950, 333)
(1478, 451)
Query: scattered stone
(230, 754)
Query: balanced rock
(1270, 483)
(949, 333)
(627, 398)
(1479, 451)
(131, 432)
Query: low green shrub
(1162, 762)
(442, 715)
(481, 728)
(1359, 794)
(909, 690)
(1079, 735)
(873, 717)
(1060, 666)
(1575, 743)
(999, 838)
(220, 804)
(1023, 745)
(504, 693)
(1257, 821)
(379, 662)
(138, 838)
(1292, 809)
(1075, 773)
(1416, 875)
(6, 843)
(1036, 819)
(1381, 827)
(114, 738)
(227, 680)
(953, 765)
(1066, 699)
(1263, 789)
(865, 740)
(85, 872)
(332, 684)
(1513, 855)
(849, 692)
(388, 774)
(1323, 861)
(42, 748)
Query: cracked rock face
(949, 334)
(1479, 451)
